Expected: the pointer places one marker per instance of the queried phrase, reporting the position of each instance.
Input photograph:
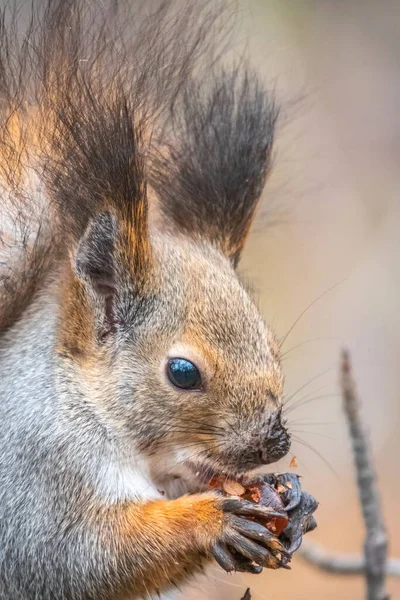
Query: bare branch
(375, 545)
(342, 564)
(374, 564)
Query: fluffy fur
(98, 106)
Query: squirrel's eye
(183, 374)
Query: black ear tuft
(215, 157)
(97, 178)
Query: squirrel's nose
(275, 447)
(272, 444)
(264, 449)
(276, 443)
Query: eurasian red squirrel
(134, 364)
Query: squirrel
(135, 365)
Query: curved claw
(292, 496)
(223, 557)
(244, 565)
(230, 560)
(301, 521)
(247, 548)
(311, 525)
(270, 554)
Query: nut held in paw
(283, 494)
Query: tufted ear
(94, 260)
(95, 265)
(215, 158)
(98, 181)
(108, 264)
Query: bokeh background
(329, 225)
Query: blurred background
(329, 226)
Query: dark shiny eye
(183, 374)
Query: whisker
(321, 374)
(287, 409)
(224, 581)
(182, 429)
(306, 396)
(308, 308)
(327, 437)
(306, 342)
(231, 427)
(324, 460)
(314, 399)
(198, 426)
(188, 458)
(176, 429)
(313, 423)
(301, 463)
(209, 425)
(193, 443)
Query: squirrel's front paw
(244, 544)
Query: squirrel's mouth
(203, 473)
(192, 477)
(175, 478)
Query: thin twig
(375, 545)
(342, 564)
(374, 563)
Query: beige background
(334, 197)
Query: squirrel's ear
(94, 260)
(214, 161)
(112, 262)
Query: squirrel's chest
(119, 481)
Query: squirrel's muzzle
(265, 442)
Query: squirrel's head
(206, 377)
(176, 360)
